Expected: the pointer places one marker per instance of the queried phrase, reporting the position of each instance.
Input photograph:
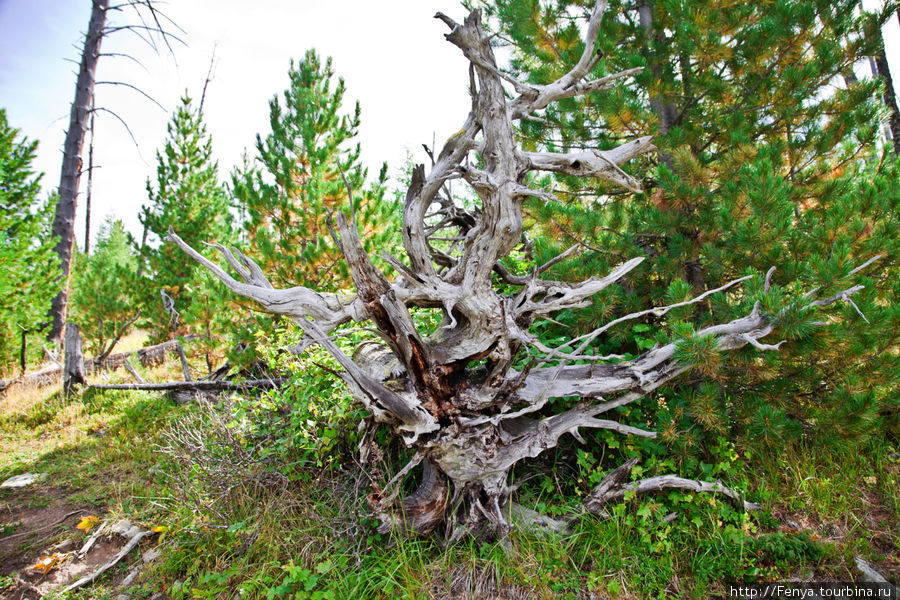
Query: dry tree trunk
(456, 396)
(74, 369)
(87, 200)
(70, 176)
(892, 127)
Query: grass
(287, 529)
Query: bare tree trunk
(668, 114)
(890, 98)
(664, 107)
(74, 369)
(70, 176)
(23, 351)
(141, 251)
(209, 75)
(87, 200)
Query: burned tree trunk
(462, 395)
(70, 176)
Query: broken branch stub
(454, 395)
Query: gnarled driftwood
(454, 395)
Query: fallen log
(149, 356)
(155, 355)
(37, 379)
(195, 386)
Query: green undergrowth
(295, 547)
(260, 497)
(308, 534)
(97, 448)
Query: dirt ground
(43, 524)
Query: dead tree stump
(74, 358)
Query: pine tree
(100, 304)
(763, 162)
(27, 262)
(298, 177)
(177, 298)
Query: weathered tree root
(90, 578)
(456, 397)
(532, 519)
(420, 512)
(614, 487)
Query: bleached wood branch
(614, 487)
(556, 296)
(118, 336)
(329, 310)
(537, 97)
(522, 438)
(90, 578)
(600, 164)
(652, 368)
(132, 372)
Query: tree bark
(87, 200)
(890, 98)
(70, 175)
(664, 107)
(23, 350)
(142, 260)
(667, 112)
(74, 358)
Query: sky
(410, 82)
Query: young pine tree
(27, 262)
(296, 179)
(177, 297)
(766, 159)
(100, 303)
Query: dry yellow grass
(131, 342)
(36, 420)
(21, 399)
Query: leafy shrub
(785, 549)
(311, 420)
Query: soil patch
(32, 520)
